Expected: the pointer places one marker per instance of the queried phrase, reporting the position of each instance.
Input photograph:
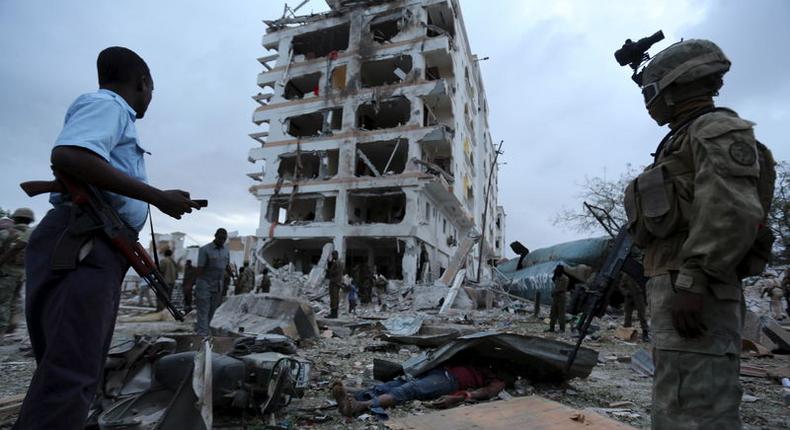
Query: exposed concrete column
(284, 51)
(323, 164)
(346, 158)
(411, 217)
(263, 229)
(411, 254)
(415, 151)
(319, 209)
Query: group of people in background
(206, 283)
(362, 286)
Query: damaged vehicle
(179, 381)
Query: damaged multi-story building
(374, 136)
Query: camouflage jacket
(696, 210)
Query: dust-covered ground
(613, 388)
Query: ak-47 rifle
(92, 215)
(596, 298)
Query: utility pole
(485, 210)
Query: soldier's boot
(332, 314)
(549, 330)
(645, 335)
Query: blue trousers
(430, 385)
(70, 318)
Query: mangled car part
(153, 386)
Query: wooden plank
(11, 405)
(533, 412)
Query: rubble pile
(406, 333)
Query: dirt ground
(348, 358)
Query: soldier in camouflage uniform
(12, 265)
(695, 212)
(559, 295)
(633, 298)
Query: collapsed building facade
(373, 136)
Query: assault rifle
(596, 298)
(92, 215)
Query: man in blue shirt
(71, 313)
(213, 265)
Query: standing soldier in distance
(190, 275)
(634, 298)
(169, 269)
(71, 313)
(334, 273)
(13, 241)
(696, 212)
(245, 283)
(266, 282)
(558, 297)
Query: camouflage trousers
(557, 313)
(10, 286)
(696, 383)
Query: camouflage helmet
(682, 63)
(23, 213)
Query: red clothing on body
(468, 376)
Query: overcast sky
(564, 108)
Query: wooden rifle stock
(34, 188)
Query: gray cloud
(557, 98)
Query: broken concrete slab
(265, 313)
(403, 325)
(459, 258)
(764, 330)
(755, 349)
(427, 297)
(776, 333)
(532, 412)
(453, 292)
(531, 357)
(483, 298)
(318, 272)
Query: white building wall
(451, 209)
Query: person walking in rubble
(213, 265)
(379, 288)
(697, 213)
(13, 241)
(169, 269)
(246, 280)
(187, 284)
(334, 273)
(71, 312)
(772, 288)
(633, 298)
(559, 294)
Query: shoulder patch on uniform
(743, 153)
(716, 124)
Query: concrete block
(266, 313)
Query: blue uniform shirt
(104, 123)
(214, 261)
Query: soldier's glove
(687, 314)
